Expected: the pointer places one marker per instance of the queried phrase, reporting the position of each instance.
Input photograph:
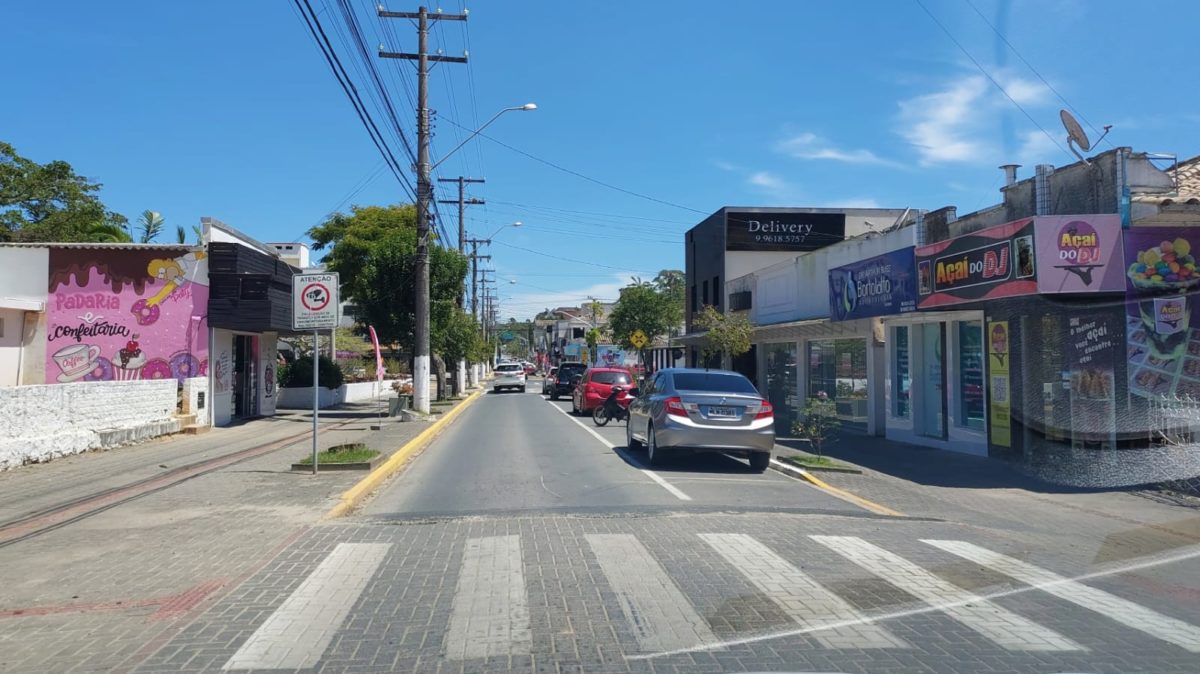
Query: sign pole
(316, 393)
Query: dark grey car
(693, 410)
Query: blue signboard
(877, 286)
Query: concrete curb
(842, 494)
(354, 495)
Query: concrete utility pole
(462, 202)
(475, 256)
(424, 189)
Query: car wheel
(522, 389)
(630, 441)
(759, 461)
(554, 395)
(654, 454)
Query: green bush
(820, 422)
(299, 374)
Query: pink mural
(123, 315)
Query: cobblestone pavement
(690, 593)
(104, 591)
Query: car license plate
(723, 412)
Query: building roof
(99, 246)
(1187, 176)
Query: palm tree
(107, 232)
(181, 234)
(151, 225)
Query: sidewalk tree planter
(820, 423)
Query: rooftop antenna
(1077, 136)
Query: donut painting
(126, 314)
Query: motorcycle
(614, 407)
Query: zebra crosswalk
(655, 597)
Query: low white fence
(301, 398)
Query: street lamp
(518, 223)
(527, 107)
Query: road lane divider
(629, 458)
(355, 495)
(842, 494)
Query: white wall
(268, 389)
(301, 398)
(24, 274)
(12, 324)
(42, 422)
(220, 374)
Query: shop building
(249, 307)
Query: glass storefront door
(781, 384)
(933, 380)
(837, 369)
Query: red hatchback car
(596, 385)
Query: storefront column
(876, 387)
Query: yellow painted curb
(839, 493)
(354, 495)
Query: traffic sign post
(638, 339)
(315, 307)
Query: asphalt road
(521, 453)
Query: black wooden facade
(249, 290)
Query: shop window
(693, 298)
(717, 292)
(837, 370)
(901, 377)
(781, 360)
(970, 375)
(705, 292)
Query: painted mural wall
(120, 315)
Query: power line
(577, 174)
(339, 72)
(1034, 70)
(992, 79)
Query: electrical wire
(993, 79)
(1034, 70)
(339, 72)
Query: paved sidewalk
(94, 594)
(985, 492)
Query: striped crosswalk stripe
(992, 621)
(296, 635)
(661, 617)
(1121, 610)
(490, 611)
(802, 598)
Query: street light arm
(478, 131)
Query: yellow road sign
(638, 339)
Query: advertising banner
(994, 262)
(1162, 342)
(783, 231)
(1079, 254)
(999, 395)
(1090, 345)
(878, 286)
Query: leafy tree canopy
(349, 240)
(640, 307)
(50, 202)
(724, 333)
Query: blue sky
(226, 108)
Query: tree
(593, 338)
(640, 307)
(671, 284)
(48, 202)
(106, 232)
(181, 234)
(150, 225)
(820, 422)
(349, 240)
(723, 333)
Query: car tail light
(675, 407)
(765, 411)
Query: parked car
(509, 376)
(595, 386)
(548, 380)
(563, 379)
(686, 410)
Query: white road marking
(1121, 610)
(296, 635)
(675, 491)
(992, 621)
(801, 597)
(659, 614)
(490, 612)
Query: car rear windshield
(713, 381)
(508, 368)
(566, 372)
(611, 378)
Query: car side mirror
(635, 391)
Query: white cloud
(527, 301)
(950, 125)
(726, 166)
(1036, 148)
(767, 180)
(808, 145)
(851, 202)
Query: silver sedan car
(693, 410)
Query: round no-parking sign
(314, 301)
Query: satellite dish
(1075, 131)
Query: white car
(509, 375)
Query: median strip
(355, 495)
